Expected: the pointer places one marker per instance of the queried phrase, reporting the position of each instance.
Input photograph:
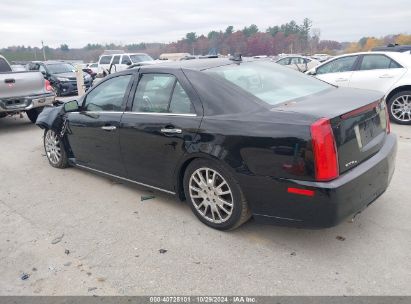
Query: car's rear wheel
(55, 150)
(214, 195)
(399, 108)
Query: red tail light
(48, 86)
(325, 151)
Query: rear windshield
(268, 81)
(4, 66)
(140, 57)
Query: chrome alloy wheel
(52, 146)
(211, 195)
(401, 108)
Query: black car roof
(193, 64)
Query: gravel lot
(75, 233)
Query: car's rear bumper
(332, 202)
(25, 103)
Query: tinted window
(125, 59)
(153, 93)
(343, 64)
(116, 60)
(269, 82)
(109, 95)
(180, 103)
(374, 62)
(4, 66)
(105, 59)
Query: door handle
(171, 131)
(109, 128)
(386, 76)
(341, 79)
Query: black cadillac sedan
(235, 138)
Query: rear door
(338, 71)
(163, 120)
(376, 72)
(93, 132)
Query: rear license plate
(369, 129)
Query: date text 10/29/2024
(203, 299)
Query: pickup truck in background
(24, 91)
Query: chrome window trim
(137, 113)
(126, 179)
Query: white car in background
(93, 66)
(299, 63)
(120, 62)
(388, 72)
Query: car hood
(66, 75)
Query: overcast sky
(27, 22)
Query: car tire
(33, 114)
(218, 202)
(399, 108)
(55, 150)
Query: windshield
(268, 81)
(58, 68)
(140, 57)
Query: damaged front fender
(51, 118)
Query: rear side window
(4, 66)
(161, 93)
(105, 59)
(338, 65)
(284, 61)
(375, 62)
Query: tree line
(289, 37)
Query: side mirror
(312, 72)
(128, 62)
(71, 106)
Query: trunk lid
(358, 120)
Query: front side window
(116, 60)
(375, 62)
(161, 93)
(338, 65)
(269, 82)
(297, 60)
(105, 59)
(284, 61)
(109, 95)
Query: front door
(93, 132)
(338, 71)
(159, 129)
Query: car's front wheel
(214, 195)
(399, 108)
(55, 150)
